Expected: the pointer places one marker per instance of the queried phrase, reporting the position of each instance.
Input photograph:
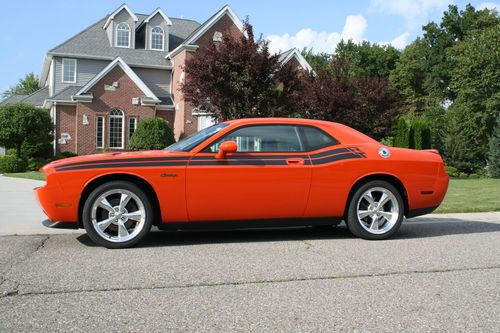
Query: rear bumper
(420, 211)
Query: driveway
(440, 272)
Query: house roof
(286, 56)
(16, 98)
(201, 29)
(116, 12)
(36, 99)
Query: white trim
(302, 61)
(158, 11)
(207, 25)
(116, 12)
(83, 56)
(131, 74)
(151, 38)
(103, 135)
(129, 35)
(180, 48)
(62, 71)
(52, 80)
(123, 128)
(54, 119)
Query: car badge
(384, 152)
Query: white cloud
(354, 28)
(400, 41)
(489, 5)
(413, 11)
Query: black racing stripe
(335, 158)
(251, 157)
(123, 165)
(330, 152)
(236, 162)
(143, 159)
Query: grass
(464, 195)
(35, 175)
(471, 195)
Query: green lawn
(471, 195)
(464, 195)
(28, 175)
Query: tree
(23, 123)
(494, 156)
(28, 85)
(152, 133)
(239, 78)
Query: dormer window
(122, 35)
(157, 38)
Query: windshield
(194, 140)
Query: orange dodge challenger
(267, 172)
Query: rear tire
(117, 215)
(375, 211)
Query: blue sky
(312, 23)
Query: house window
(132, 126)
(116, 129)
(205, 121)
(99, 132)
(123, 35)
(69, 70)
(157, 38)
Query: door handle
(295, 161)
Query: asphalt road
(440, 273)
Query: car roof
(278, 120)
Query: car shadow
(409, 230)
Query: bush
(463, 175)
(494, 154)
(11, 163)
(412, 133)
(474, 176)
(421, 134)
(152, 133)
(451, 171)
(34, 164)
(64, 154)
(402, 132)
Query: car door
(268, 177)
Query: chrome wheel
(377, 210)
(118, 215)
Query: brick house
(99, 83)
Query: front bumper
(55, 204)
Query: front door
(268, 177)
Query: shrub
(152, 133)
(421, 134)
(11, 163)
(474, 176)
(64, 154)
(463, 175)
(34, 164)
(451, 171)
(494, 154)
(402, 132)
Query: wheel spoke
(386, 215)
(374, 225)
(124, 199)
(122, 229)
(103, 225)
(383, 200)
(368, 197)
(364, 213)
(136, 216)
(104, 203)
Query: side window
(314, 138)
(265, 138)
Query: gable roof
(130, 73)
(157, 11)
(286, 56)
(116, 12)
(16, 98)
(203, 28)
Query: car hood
(114, 156)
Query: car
(263, 172)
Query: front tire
(375, 211)
(117, 215)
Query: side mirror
(225, 148)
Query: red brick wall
(168, 115)
(66, 123)
(102, 103)
(185, 123)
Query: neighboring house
(126, 67)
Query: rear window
(314, 138)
